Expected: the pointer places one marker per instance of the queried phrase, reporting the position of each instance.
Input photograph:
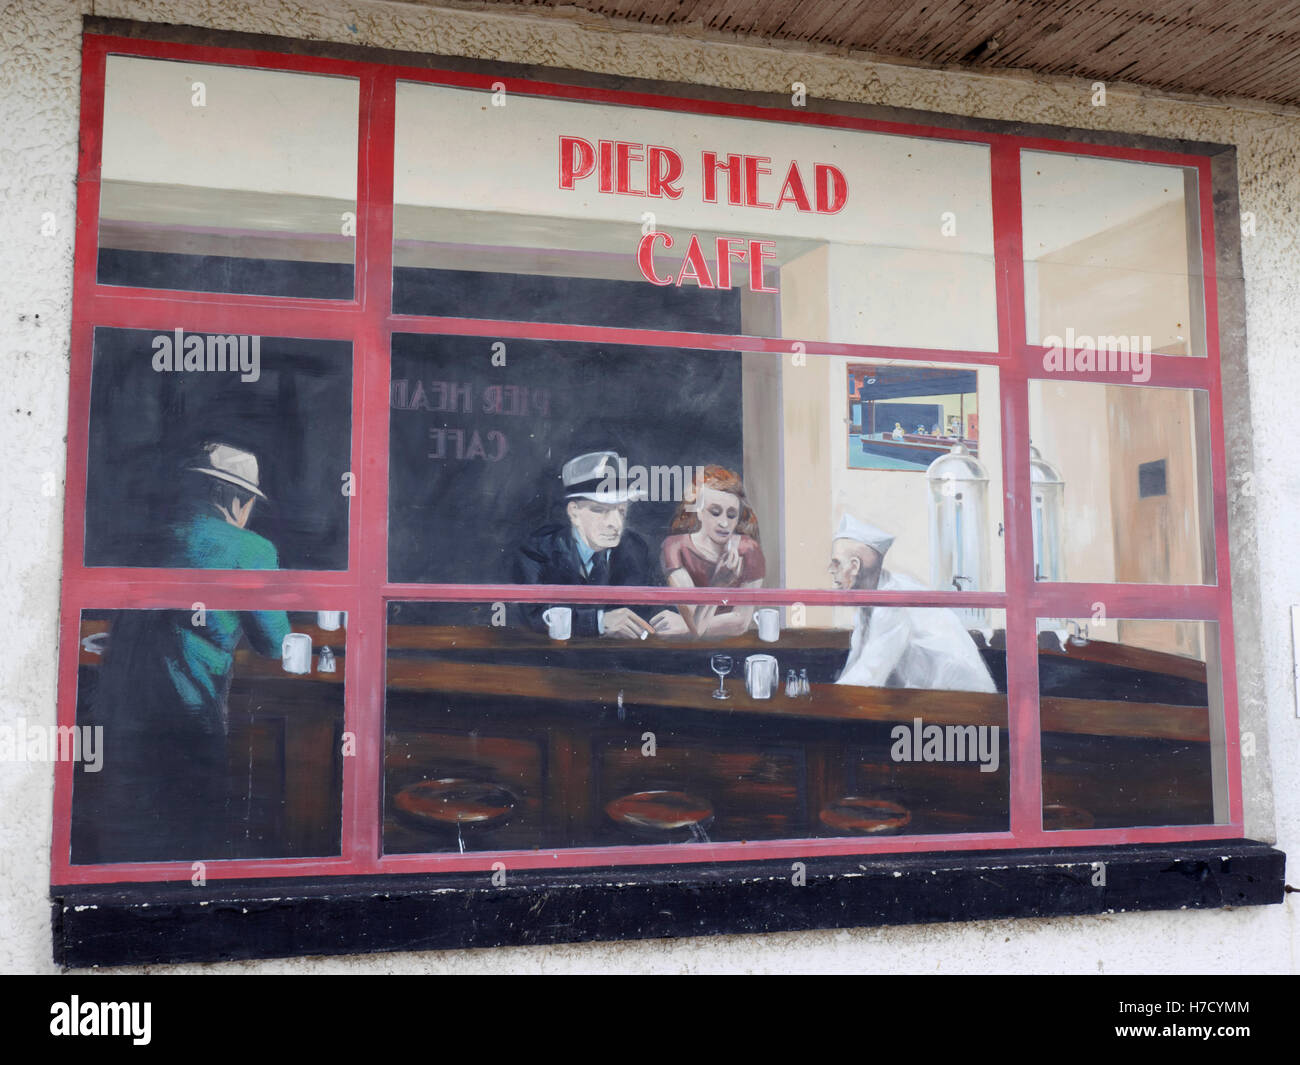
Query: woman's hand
(727, 571)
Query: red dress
(680, 553)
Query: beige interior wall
(807, 473)
(911, 297)
(1065, 424)
(1131, 280)
(1157, 539)
(1128, 280)
(761, 421)
(819, 487)
(764, 485)
(988, 399)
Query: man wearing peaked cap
(594, 546)
(896, 646)
(599, 476)
(862, 533)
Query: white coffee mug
(769, 624)
(761, 676)
(559, 622)
(329, 620)
(295, 653)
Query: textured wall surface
(39, 82)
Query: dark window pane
(174, 455)
(1132, 718)
(215, 734)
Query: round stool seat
(661, 813)
(453, 803)
(864, 817)
(1057, 817)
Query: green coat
(199, 658)
(164, 665)
(161, 693)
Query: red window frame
(364, 591)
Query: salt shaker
(804, 687)
(791, 685)
(325, 663)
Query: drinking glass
(721, 665)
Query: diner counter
(427, 660)
(538, 717)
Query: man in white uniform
(899, 647)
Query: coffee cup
(769, 624)
(559, 622)
(295, 653)
(329, 620)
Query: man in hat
(594, 546)
(897, 646)
(164, 683)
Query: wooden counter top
(828, 702)
(486, 637)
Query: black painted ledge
(138, 924)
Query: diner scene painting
(645, 719)
(641, 477)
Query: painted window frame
(364, 591)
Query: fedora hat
(600, 476)
(230, 464)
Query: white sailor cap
(600, 476)
(852, 529)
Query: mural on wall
(649, 475)
(567, 723)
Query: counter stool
(455, 803)
(663, 816)
(856, 816)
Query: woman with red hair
(713, 543)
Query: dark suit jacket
(550, 556)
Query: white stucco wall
(39, 85)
